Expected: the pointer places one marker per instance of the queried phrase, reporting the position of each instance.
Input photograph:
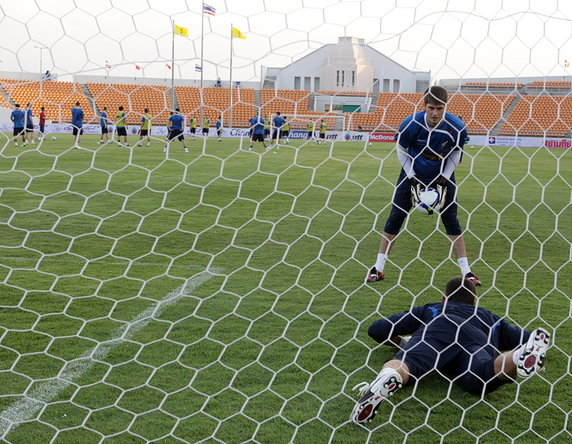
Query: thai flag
(198, 68)
(210, 10)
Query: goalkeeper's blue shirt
(430, 147)
(458, 322)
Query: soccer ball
(53, 137)
(428, 201)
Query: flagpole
(230, 79)
(202, 52)
(173, 65)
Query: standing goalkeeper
(429, 147)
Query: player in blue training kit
(256, 131)
(219, 129)
(77, 123)
(17, 117)
(429, 147)
(454, 337)
(103, 123)
(176, 125)
(277, 122)
(29, 120)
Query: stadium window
(297, 84)
(316, 83)
(353, 78)
(386, 85)
(307, 82)
(396, 85)
(343, 82)
(338, 78)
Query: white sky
(450, 38)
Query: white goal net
(208, 293)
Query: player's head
(461, 290)
(105, 108)
(76, 103)
(177, 110)
(28, 105)
(146, 110)
(435, 99)
(17, 105)
(121, 108)
(278, 113)
(42, 108)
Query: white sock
(464, 265)
(380, 264)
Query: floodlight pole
(173, 65)
(230, 79)
(41, 48)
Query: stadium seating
(565, 86)
(216, 104)
(324, 92)
(57, 97)
(539, 115)
(287, 102)
(546, 111)
(134, 99)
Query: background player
(323, 130)
(145, 127)
(193, 123)
(176, 126)
(285, 131)
(257, 124)
(219, 128)
(277, 123)
(77, 123)
(104, 125)
(206, 127)
(42, 123)
(17, 117)
(29, 120)
(310, 135)
(429, 147)
(454, 336)
(121, 126)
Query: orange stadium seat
(134, 99)
(58, 98)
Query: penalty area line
(25, 409)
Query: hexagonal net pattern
(209, 293)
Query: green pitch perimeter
(218, 295)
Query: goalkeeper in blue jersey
(479, 350)
(429, 147)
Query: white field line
(99, 262)
(26, 408)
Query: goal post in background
(219, 294)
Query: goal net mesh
(218, 295)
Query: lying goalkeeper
(454, 336)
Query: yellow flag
(237, 34)
(181, 31)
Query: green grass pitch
(219, 296)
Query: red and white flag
(137, 67)
(167, 65)
(107, 65)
